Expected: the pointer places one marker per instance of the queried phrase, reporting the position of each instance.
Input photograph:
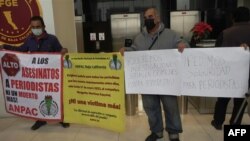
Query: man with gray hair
(155, 37)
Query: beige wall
(64, 18)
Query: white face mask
(37, 32)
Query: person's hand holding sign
(1, 47)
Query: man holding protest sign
(39, 41)
(155, 36)
(237, 35)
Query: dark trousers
(221, 107)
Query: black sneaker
(153, 137)
(38, 124)
(216, 126)
(64, 125)
(173, 136)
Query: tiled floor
(196, 128)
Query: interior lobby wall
(64, 18)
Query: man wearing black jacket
(237, 35)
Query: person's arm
(181, 44)
(244, 45)
(219, 40)
(123, 49)
(56, 45)
(64, 51)
(23, 48)
(130, 48)
(1, 47)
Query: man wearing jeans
(155, 37)
(39, 41)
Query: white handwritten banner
(212, 72)
(32, 84)
(153, 72)
(215, 72)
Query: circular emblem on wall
(15, 20)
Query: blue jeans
(152, 107)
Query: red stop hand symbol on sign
(10, 64)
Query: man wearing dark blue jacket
(39, 41)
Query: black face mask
(149, 23)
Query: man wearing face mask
(155, 37)
(39, 41)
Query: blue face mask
(37, 32)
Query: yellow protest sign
(94, 90)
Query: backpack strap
(155, 40)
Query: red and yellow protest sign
(15, 20)
(32, 84)
(94, 90)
